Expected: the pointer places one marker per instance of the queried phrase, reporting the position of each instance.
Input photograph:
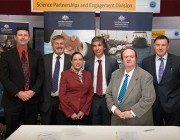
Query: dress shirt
(19, 49)
(96, 64)
(129, 78)
(157, 61)
(61, 69)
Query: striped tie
(161, 69)
(26, 71)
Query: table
(58, 132)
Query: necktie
(56, 75)
(99, 79)
(123, 90)
(26, 72)
(161, 69)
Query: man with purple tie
(165, 69)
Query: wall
(34, 21)
(168, 23)
(23, 7)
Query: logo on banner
(65, 17)
(152, 4)
(65, 22)
(121, 22)
(6, 29)
(176, 33)
(122, 18)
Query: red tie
(99, 79)
(26, 72)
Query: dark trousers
(51, 117)
(100, 114)
(162, 118)
(24, 113)
(69, 121)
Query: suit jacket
(45, 98)
(110, 66)
(12, 77)
(75, 96)
(168, 90)
(139, 97)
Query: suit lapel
(91, 67)
(118, 80)
(168, 65)
(66, 62)
(49, 68)
(75, 76)
(153, 66)
(17, 60)
(30, 58)
(132, 83)
(106, 67)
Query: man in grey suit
(166, 74)
(99, 112)
(130, 93)
(49, 102)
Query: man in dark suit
(21, 84)
(130, 93)
(50, 113)
(165, 69)
(100, 114)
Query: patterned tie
(99, 79)
(56, 75)
(161, 69)
(123, 90)
(26, 72)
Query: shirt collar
(102, 58)
(55, 56)
(164, 57)
(130, 73)
(19, 49)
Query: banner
(170, 33)
(78, 28)
(96, 5)
(122, 29)
(7, 31)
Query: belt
(95, 94)
(55, 97)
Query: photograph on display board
(119, 40)
(76, 40)
(78, 32)
(6, 42)
(127, 29)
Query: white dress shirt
(61, 69)
(96, 64)
(158, 62)
(129, 78)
